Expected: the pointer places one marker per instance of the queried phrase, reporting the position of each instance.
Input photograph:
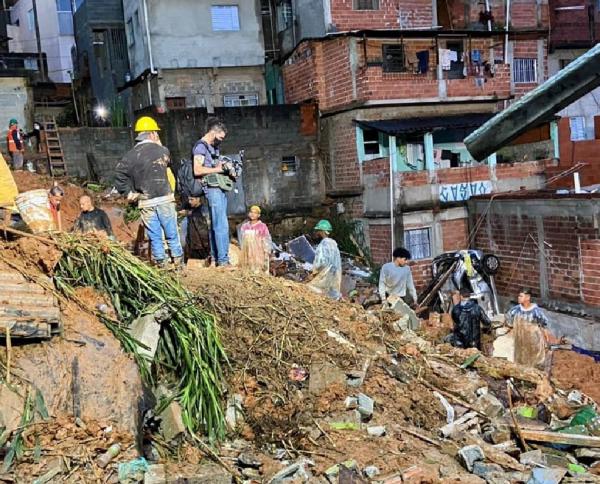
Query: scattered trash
(376, 431)
(133, 471)
(106, 458)
(344, 426)
(365, 405)
(371, 471)
(297, 471)
(449, 408)
(298, 374)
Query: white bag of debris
(34, 208)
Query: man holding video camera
(217, 180)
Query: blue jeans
(159, 219)
(219, 225)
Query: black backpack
(188, 185)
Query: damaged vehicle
(453, 271)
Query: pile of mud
(70, 210)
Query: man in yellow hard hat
(143, 177)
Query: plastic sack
(255, 247)
(133, 471)
(327, 270)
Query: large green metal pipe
(574, 81)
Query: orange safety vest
(10, 142)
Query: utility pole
(39, 41)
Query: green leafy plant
(190, 353)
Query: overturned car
(452, 271)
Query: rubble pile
(334, 384)
(316, 391)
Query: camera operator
(207, 164)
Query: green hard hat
(12, 121)
(324, 225)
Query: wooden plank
(558, 438)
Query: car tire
(491, 264)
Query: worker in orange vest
(15, 144)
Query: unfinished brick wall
(380, 243)
(300, 74)
(572, 152)
(513, 234)
(572, 28)
(455, 234)
(590, 264)
(392, 14)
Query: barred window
(365, 5)
(418, 242)
(525, 71)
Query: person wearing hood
(468, 316)
(144, 176)
(326, 275)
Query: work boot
(178, 264)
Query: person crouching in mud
(326, 276)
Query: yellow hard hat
(146, 123)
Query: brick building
(398, 86)
(575, 28)
(548, 242)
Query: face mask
(216, 143)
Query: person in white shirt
(397, 288)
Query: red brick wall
(515, 240)
(455, 234)
(421, 271)
(344, 159)
(415, 13)
(321, 70)
(572, 27)
(300, 74)
(572, 152)
(380, 243)
(590, 261)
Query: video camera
(232, 165)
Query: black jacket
(97, 219)
(468, 317)
(143, 170)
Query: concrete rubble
(318, 391)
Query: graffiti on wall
(460, 192)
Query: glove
(132, 197)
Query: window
(393, 58)
(418, 242)
(65, 17)
(577, 124)
(236, 100)
(289, 164)
(365, 4)
(175, 102)
(284, 16)
(525, 71)
(31, 64)
(562, 63)
(30, 20)
(371, 144)
(225, 18)
(130, 33)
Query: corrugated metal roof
(396, 127)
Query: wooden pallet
(56, 157)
